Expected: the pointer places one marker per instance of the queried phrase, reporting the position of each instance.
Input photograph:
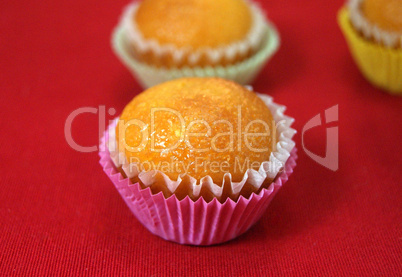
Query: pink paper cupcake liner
(193, 222)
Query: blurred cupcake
(199, 159)
(161, 40)
(373, 30)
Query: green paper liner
(243, 72)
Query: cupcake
(198, 160)
(373, 30)
(160, 40)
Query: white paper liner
(268, 169)
(242, 72)
(371, 30)
(252, 40)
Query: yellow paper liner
(370, 30)
(380, 65)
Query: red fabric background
(60, 214)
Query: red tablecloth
(59, 213)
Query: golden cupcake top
(387, 14)
(198, 127)
(194, 23)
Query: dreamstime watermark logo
(237, 135)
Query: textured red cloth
(59, 213)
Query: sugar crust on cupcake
(378, 20)
(187, 36)
(216, 102)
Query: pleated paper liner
(193, 222)
(242, 72)
(252, 180)
(198, 221)
(369, 30)
(380, 65)
(213, 55)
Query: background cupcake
(236, 158)
(164, 39)
(373, 30)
